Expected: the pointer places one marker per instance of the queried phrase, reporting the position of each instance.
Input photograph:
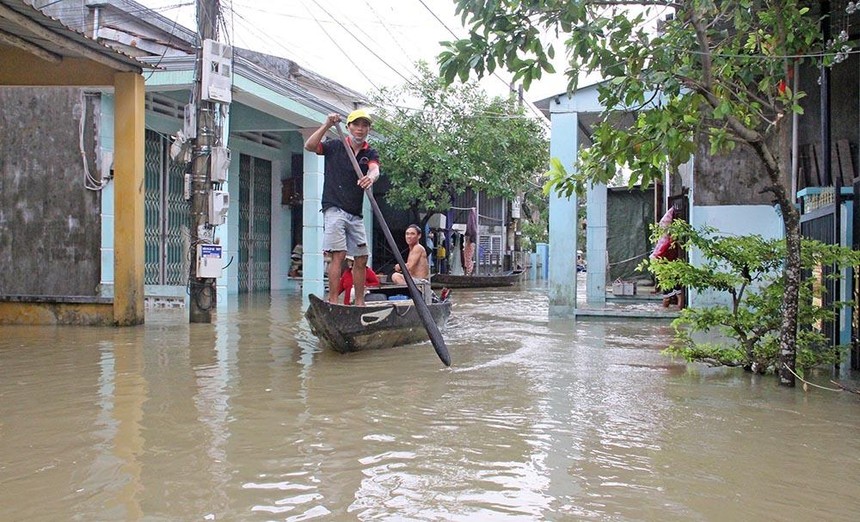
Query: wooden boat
(379, 324)
(476, 281)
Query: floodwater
(249, 419)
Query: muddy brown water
(537, 419)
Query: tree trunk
(792, 274)
(792, 269)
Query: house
(722, 191)
(272, 187)
(47, 217)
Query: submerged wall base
(41, 310)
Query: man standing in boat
(343, 197)
(416, 262)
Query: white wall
(731, 220)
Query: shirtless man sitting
(416, 263)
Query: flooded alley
(250, 419)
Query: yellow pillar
(128, 204)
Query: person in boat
(343, 196)
(416, 262)
(346, 280)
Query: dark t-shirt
(340, 188)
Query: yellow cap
(358, 114)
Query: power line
(359, 40)
(237, 19)
(342, 51)
(531, 107)
(385, 26)
(321, 80)
(346, 55)
(166, 47)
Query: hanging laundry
(472, 226)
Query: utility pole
(516, 233)
(202, 289)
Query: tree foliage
(457, 139)
(718, 68)
(747, 268)
(714, 71)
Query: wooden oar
(417, 296)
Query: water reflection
(538, 419)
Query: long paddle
(417, 297)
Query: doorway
(255, 224)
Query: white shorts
(344, 232)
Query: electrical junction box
(219, 164)
(189, 124)
(219, 203)
(209, 260)
(516, 206)
(105, 159)
(217, 81)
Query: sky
(362, 44)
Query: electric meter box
(209, 260)
(219, 164)
(516, 206)
(189, 121)
(217, 81)
(219, 203)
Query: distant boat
(476, 281)
(379, 324)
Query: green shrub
(749, 270)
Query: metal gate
(855, 313)
(490, 248)
(166, 233)
(819, 220)
(255, 224)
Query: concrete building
(49, 223)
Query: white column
(596, 255)
(223, 286)
(228, 234)
(312, 227)
(563, 222)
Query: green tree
(715, 70)
(457, 139)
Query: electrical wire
(174, 21)
(90, 181)
(356, 27)
(360, 41)
(326, 84)
(385, 95)
(540, 117)
(166, 47)
(343, 52)
(385, 26)
(244, 22)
